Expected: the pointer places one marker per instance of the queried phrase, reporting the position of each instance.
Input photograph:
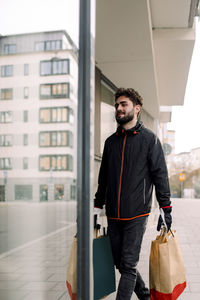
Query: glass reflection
(38, 149)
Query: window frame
(25, 138)
(69, 138)
(69, 160)
(5, 90)
(25, 163)
(4, 71)
(9, 47)
(3, 162)
(52, 61)
(69, 112)
(26, 69)
(25, 116)
(26, 91)
(55, 96)
(4, 143)
(45, 45)
(3, 113)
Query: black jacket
(133, 161)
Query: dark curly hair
(131, 94)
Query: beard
(123, 120)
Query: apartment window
(56, 115)
(54, 67)
(7, 71)
(25, 163)
(5, 163)
(25, 115)
(6, 117)
(56, 139)
(48, 45)
(43, 192)
(26, 92)
(72, 192)
(53, 45)
(10, 48)
(39, 46)
(25, 139)
(6, 140)
(56, 162)
(6, 94)
(59, 191)
(54, 90)
(26, 69)
(23, 192)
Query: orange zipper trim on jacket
(127, 219)
(121, 172)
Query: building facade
(38, 109)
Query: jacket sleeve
(159, 172)
(100, 195)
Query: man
(132, 162)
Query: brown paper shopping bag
(71, 281)
(167, 278)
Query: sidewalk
(38, 271)
(186, 221)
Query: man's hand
(97, 212)
(165, 218)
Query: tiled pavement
(38, 271)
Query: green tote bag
(103, 268)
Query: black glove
(97, 212)
(168, 219)
(96, 225)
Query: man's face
(125, 111)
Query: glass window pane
(58, 45)
(45, 68)
(64, 114)
(63, 138)
(53, 138)
(43, 192)
(59, 191)
(26, 69)
(45, 115)
(54, 162)
(64, 89)
(55, 67)
(54, 115)
(64, 162)
(26, 93)
(39, 46)
(55, 89)
(33, 142)
(65, 67)
(48, 45)
(45, 90)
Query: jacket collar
(135, 130)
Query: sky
(24, 16)
(21, 16)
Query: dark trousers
(126, 239)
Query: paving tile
(194, 287)
(38, 286)
(61, 286)
(34, 277)
(57, 277)
(9, 276)
(185, 296)
(11, 284)
(12, 295)
(42, 296)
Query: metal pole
(83, 159)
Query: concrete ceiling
(146, 45)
